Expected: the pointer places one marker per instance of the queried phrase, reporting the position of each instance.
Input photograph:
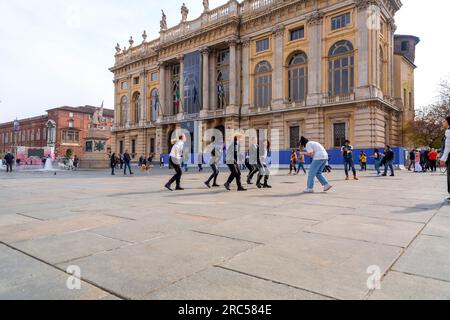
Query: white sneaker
(327, 188)
(308, 191)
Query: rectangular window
(121, 147)
(294, 137)
(154, 76)
(70, 136)
(297, 34)
(262, 45)
(133, 147)
(89, 146)
(152, 145)
(124, 85)
(339, 134)
(340, 21)
(136, 80)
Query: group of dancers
(257, 163)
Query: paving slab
(24, 278)
(137, 270)
(322, 264)
(221, 284)
(400, 286)
(42, 229)
(69, 246)
(261, 228)
(439, 226)
(428, 256)
(395, 233)
(13, 219)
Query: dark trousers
(125, 166)
(112, 169)
(363, 166)
(178, 173)
(263, 172)
(214, 175)
(389, 165)
(349, 164)
(8, 167)
(253, 171)
(235, 174)
(412, 163)
(433, 165)
(448, 175)
(292, 167)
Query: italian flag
(177, 99)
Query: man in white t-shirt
(176, 158)
(319, 160)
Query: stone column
(315, 26)
(130, 100)
(233, 75)
(182, 105)
(390, 57)
(213, 80)
(116, 104)
(162, 90)
(246, 72)
(205, 80)
(277, 83)
(143, 112)
(362, 89)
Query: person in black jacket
(113, 163)
(127, 163)
(233, 151)
(389, 157)
(9, 158)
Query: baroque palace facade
(326, 69)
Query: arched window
(136, 107)
(123, 110)
(298, 77)
(341, 69)
(263, 84)
(155, 104)
(380, 69)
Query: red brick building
(64, 128)
(72, 128)
(32, 132)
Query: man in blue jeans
(127, 163)
(389, 157)
(349, 163)
(320, 158)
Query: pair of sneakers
(325, 189)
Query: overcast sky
(57, 52)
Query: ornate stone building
(326, 69)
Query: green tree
(427, 130)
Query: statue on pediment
(206, 5)
(163, 23)
(184, 13)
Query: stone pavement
(133, 240)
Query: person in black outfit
(263, 167)
(233, 164)
(121, 161)
(216, 155)
(412, 159)
(253, 160)
(389, 157)
(9, 158)
(127, 163)
(113, 163)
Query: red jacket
(433, 155)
